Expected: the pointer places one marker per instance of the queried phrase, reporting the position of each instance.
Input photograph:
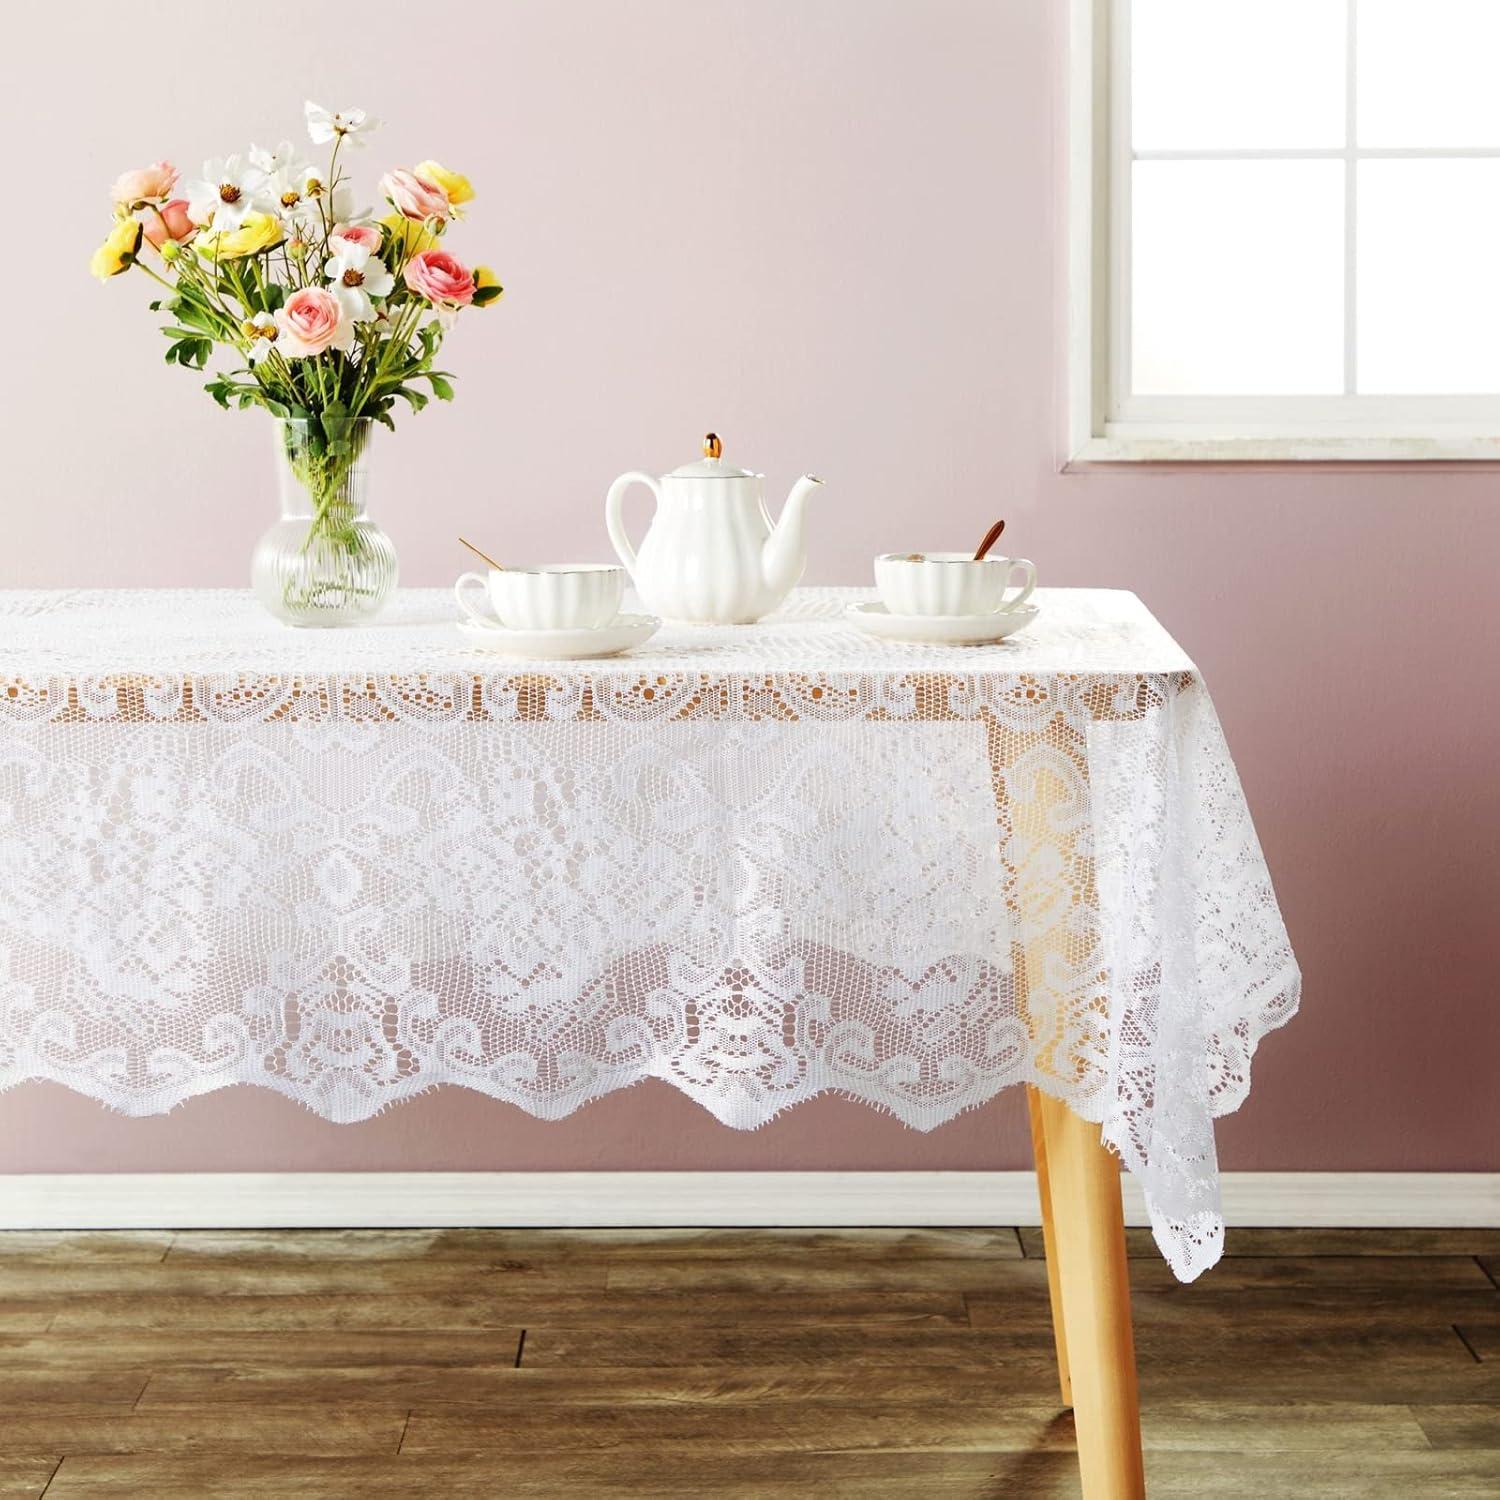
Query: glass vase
(325, 562)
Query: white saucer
(941, 630)
(623, 632)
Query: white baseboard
(388, 1200)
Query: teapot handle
(614, 503)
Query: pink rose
(443, 279)
(310, 322)
(169, 222)
(414, 196)
(366, 235)
(151, 183)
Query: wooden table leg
(1049, 1241)
(1088, 1234)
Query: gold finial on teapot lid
(712, 447)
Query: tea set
(713, 556)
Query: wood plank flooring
(868, 1363)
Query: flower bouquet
(329, 314)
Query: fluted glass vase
(324, 562)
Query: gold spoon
(990, 538)
(485, 555)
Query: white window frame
(1105, 429)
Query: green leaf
(195, 316)
(416, 398)
(440, 387)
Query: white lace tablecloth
(760, 862)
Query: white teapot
(712, 555)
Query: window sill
(1120, 444)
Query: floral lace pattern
(761, 863)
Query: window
(1285, 232)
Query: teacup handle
(463, 604)
(1029, 569)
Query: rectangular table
(760, 863)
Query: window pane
(1427, 73)
(1238, 278)
(1429, 297)
(1217, 74)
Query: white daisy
(278, 159)
(294, 190)
(229, 189)
(355, 276)
(293, 187)
(261, 330)
(323, 125)
(309, 197)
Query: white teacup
(951, 583)
(554, 596)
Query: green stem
(141, 265)
(406, 325)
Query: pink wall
(830, 229)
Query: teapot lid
(711, 465)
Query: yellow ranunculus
(258, 232)
(118, 251)
(487, 288)
(408, 235)
(458, 187)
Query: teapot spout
(785, 553)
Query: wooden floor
(723, 1363)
